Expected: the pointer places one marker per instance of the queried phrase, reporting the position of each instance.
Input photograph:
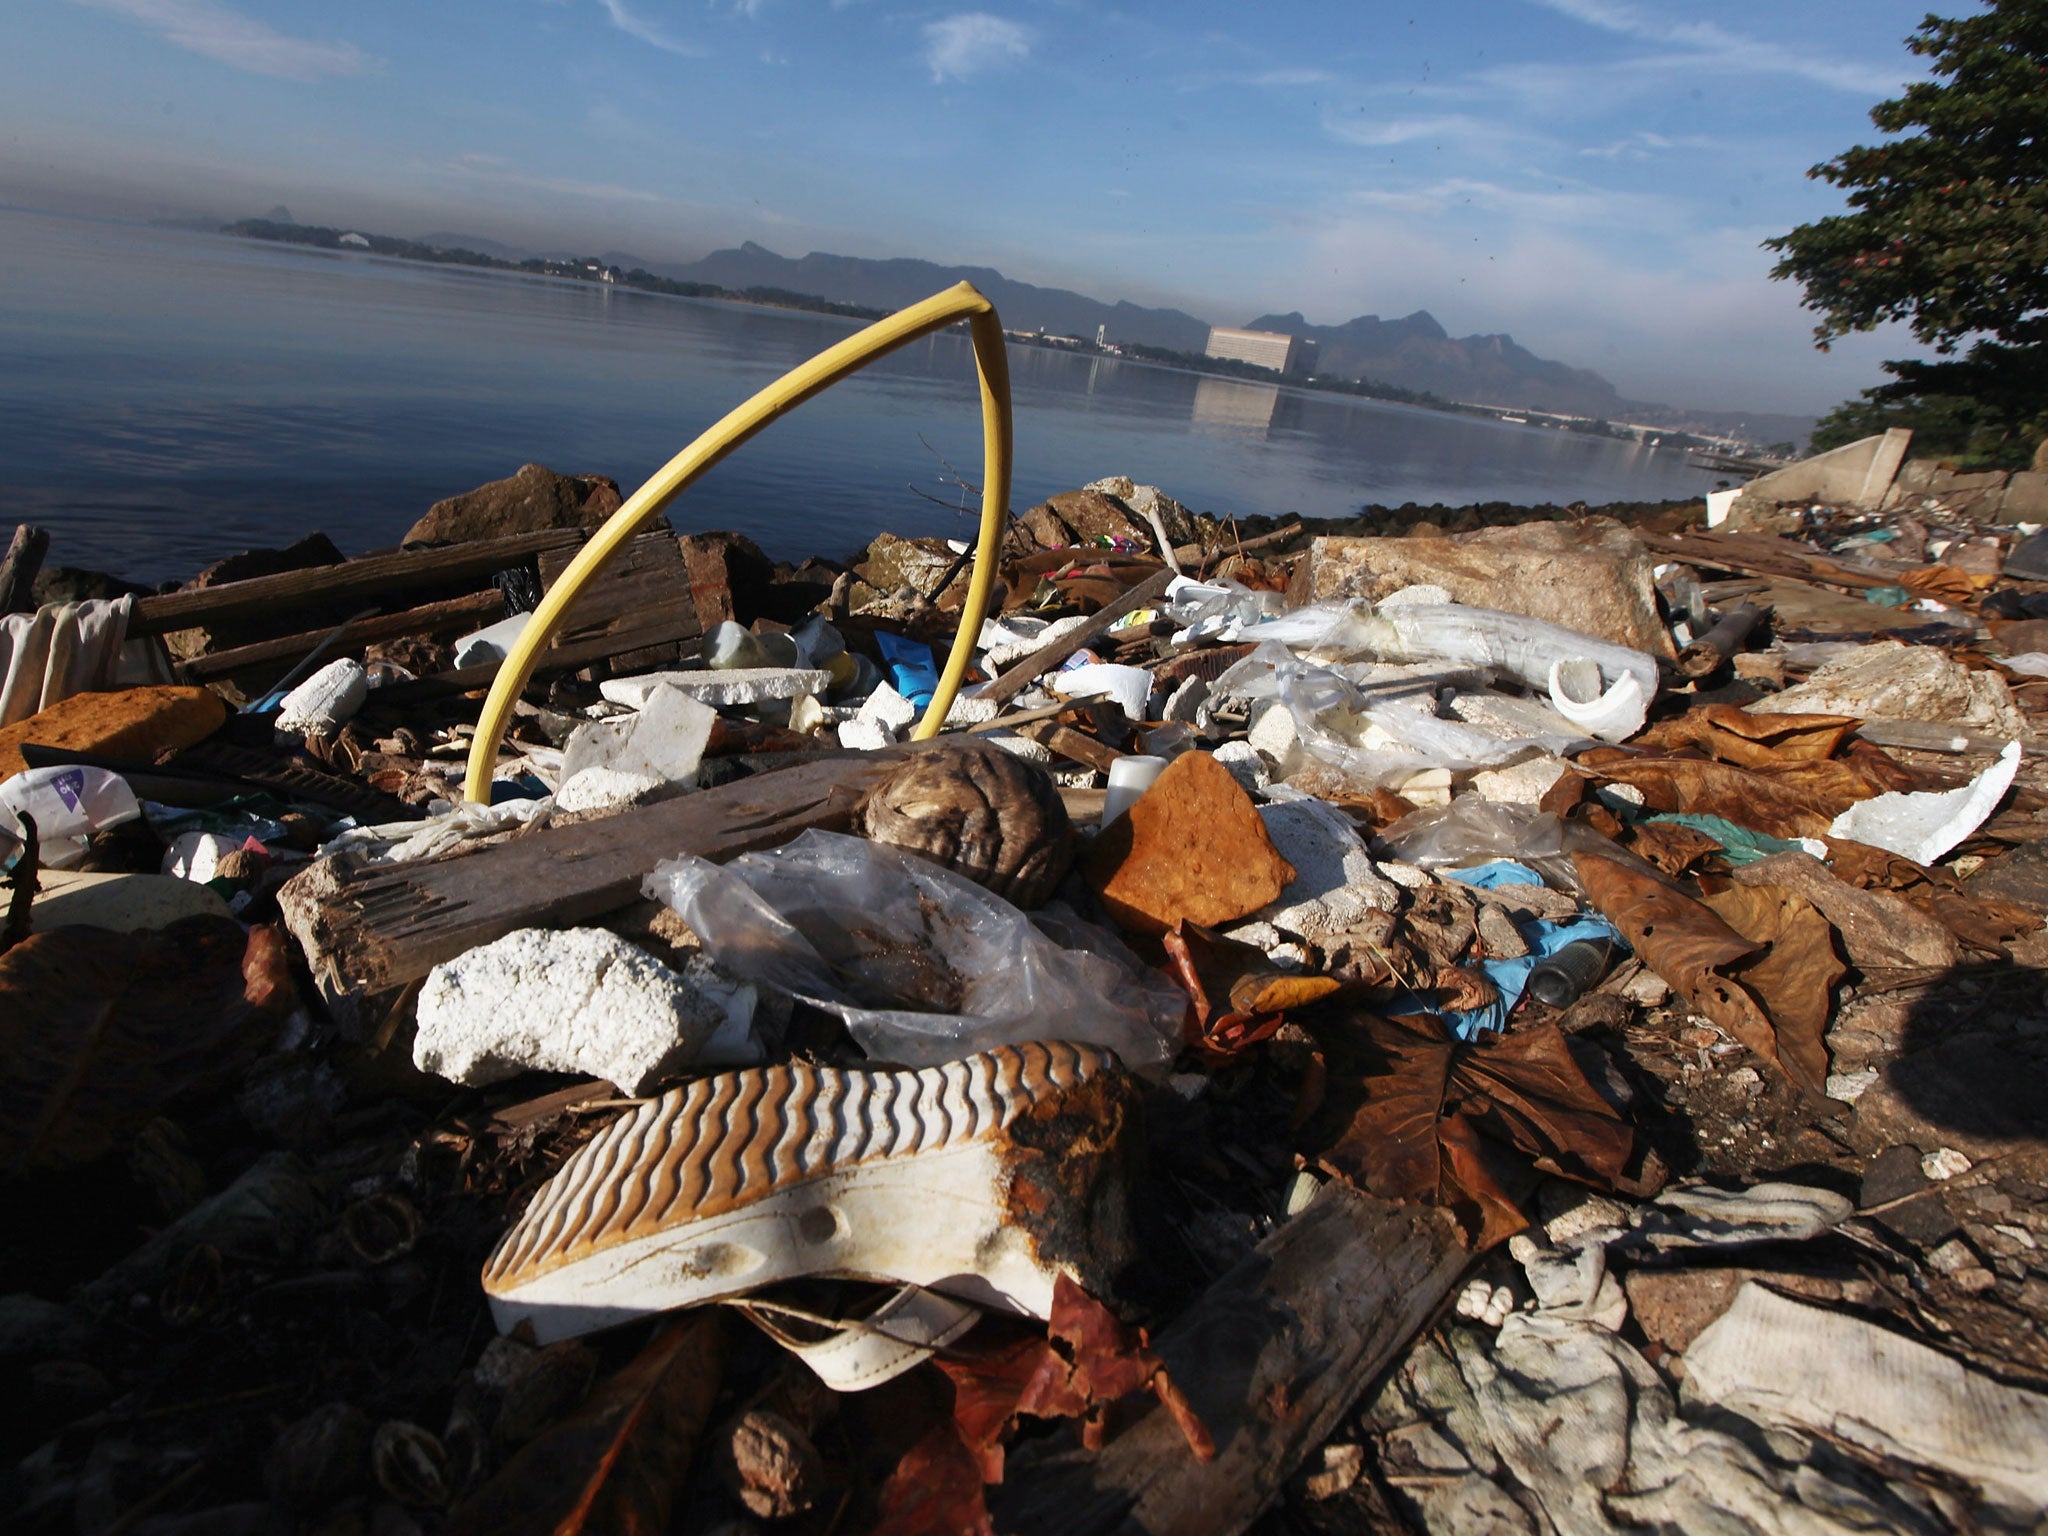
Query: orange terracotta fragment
(1193, 848)
(134, 724)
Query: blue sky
(1593, 176)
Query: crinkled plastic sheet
(922, 965)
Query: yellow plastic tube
(785, 394)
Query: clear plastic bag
(1471, 830)
(923, 965)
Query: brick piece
(134, 724)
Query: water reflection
(1235, 405)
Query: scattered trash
(1583, 977)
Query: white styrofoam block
(1924, 825)
(604, 789)
(560, 1000)
(1131, 687)
(865, 735)
(1336, 884)
(1273, 734)
(663, 740)
(1245, 765)
(968, 709)
(1018, 746)
(734, 685)
(887, 708)
(327, 700)
(1523, 783)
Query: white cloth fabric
(57, 651)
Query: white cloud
(646, 31)
(214, 31)
(958, 46)
(1405, 130)
(1709, 45)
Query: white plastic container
(1129, 777)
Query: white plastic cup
(1129, 777)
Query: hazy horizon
(1590, 176)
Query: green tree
(1948, 232)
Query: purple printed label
(70, 787)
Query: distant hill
(1417, 353)
(454, 242)
(892, 284)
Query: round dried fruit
(978, 811)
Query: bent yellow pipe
(784, 395)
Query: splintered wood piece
(373, 576)
(1270, 1358)
(374, 928)
(456, 613)
(642, 597)
(1046, 657)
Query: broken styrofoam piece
(1523, 783)
(708, 1192)
(326, 701)
(1421, 593)
(1890, 680)
(1612, 712)
(1017, 745)
(605, 789)
(1924, 825)
(1025, 640)
(663, 740)
(196, 856)
(970, 709)
(562, 1000)
(1131, 687)
(1336, 885)
(493, 642)
(1784, 1362)
(879, 722)
(1245, 765)
(721, 689)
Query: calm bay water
(168, 397)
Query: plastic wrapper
(1374, 735)
(69, 804)
(1510, 643)
(1474, 831)
(921, 964)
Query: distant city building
(352, 238)
(1267, 349)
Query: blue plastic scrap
(912, 671)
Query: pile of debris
(1535, 1029)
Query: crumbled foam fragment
(1523, 783)
(1245, 765)
(1336, 883)
(1018, 746)
(721, 689)
(883, 716)
(561, 1000)
(604, 789)
(1002, 655)
(325, 701)
(968, 709)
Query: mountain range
(1412, 352)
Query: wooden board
(1272, 1356)
(457, 613)
(373, 576)
(375, 928)
(641, 599)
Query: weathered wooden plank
(1046, 657)
(1272, 1356)
(372, 576)
(471, 612)
(645, 591)
(377, 927)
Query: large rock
(133, 725)
(534, 499)
(1592, 576)
(1078, 518)
(890, 564)
(315, 549)
(1192, 847)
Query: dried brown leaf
(1794, 978)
